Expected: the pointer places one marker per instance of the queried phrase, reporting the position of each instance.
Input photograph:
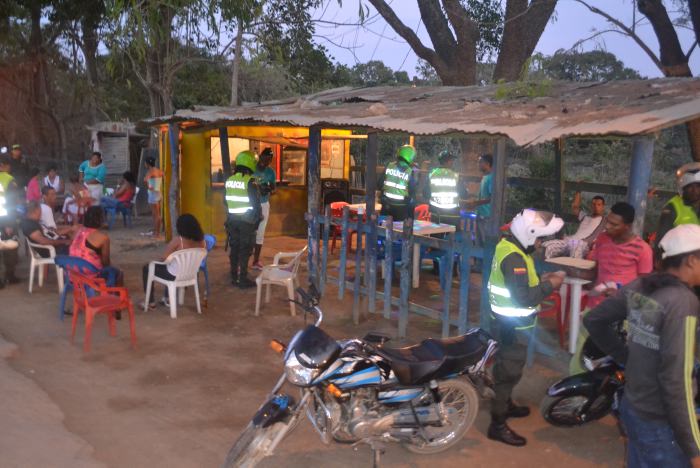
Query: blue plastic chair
(112, 212)
(67, 264)
(210, 242)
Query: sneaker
(151, 305)
(257, 266)
(164, 302)
(246, 283)
(147, 233)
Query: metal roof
(619, 108)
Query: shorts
(260, 233)
(153, 197)
(95, 192)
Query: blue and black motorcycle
(424, 397)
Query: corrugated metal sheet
(114, 151)
(568, 109)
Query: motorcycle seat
(435, 358)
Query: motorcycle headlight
(298, 374)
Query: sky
(572, 22)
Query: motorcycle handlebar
(309, 301)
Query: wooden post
(324, 248)
(314, 198)
(370, 194)
(371, 281)
(173, 191)
(495, 222)
(640, 174)
(447, 266)
(388, 265)
(344, 244)
(465, 241)
(225, 154)
(559, 176)
(358, 274)
(406, 268)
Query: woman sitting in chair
(189, 236)
(123, 195)
(93, 245)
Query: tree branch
(404, 31)
(626, 30)
(438, 29)
(465, 28)
(671, 54)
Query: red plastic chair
(551, 307)
(105, 300)
(422, 212)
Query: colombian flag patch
(520, 271)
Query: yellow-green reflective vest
(5, 180)
(396, 182)
(684, 214)
(499, 295)
(443, 189)
(237, 199)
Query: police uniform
(7, 220)
(398, 190)
(515, 292)
(444, 193)
(243, 205)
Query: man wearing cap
(515, 293)
(267, 181)
(684, 207)
(398, 185)
(18, 166)
(444, 191)
(658, 406)
(9, 193)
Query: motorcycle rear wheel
(564, 411)
(252, 446)
(456, 395)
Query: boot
(517, 411)
(245, 283)
(499, 430)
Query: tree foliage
(595, 65)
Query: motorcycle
(588, 396)
(360, 391)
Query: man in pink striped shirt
(621, 255)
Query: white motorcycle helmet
(688, 174)
(530, 224)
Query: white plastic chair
(134, 211)
(186, 262)
(39, 262)
(280, 274)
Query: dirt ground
(181, 398)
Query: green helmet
(446, 155)
(407, 153)
(246, 159)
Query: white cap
(681, 239)
(688, 174)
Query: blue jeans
(650, 444)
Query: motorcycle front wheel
(254, 444)
(565, 411)
(461, 403)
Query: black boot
(517, 411)
(245, 283)
(499, 430)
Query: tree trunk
(236, 71)
(524, 24)
(674, 62)
(89, 48)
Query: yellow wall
(195, 185)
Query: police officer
(515, 292)
(244, 216)
(684, 207)
(398, 185)
(444, 191)
(8, 241)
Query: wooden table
(422, 228)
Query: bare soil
(181, 398)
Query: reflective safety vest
(684, 214)
(443, 189)
(237, 199)
(5, 180)
(396, 182)
(499, 295)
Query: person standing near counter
(398, 185)
(154, 183)
(92, 174)
(266, 180)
